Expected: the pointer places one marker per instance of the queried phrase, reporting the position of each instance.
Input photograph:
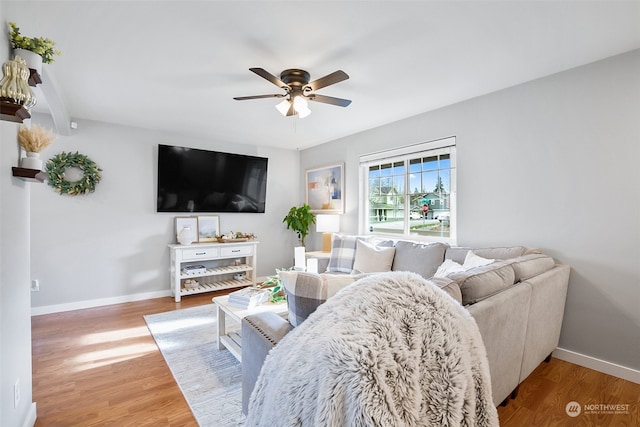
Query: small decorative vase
(186, 236)
(33, 60)
(32, 161)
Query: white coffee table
(231, 340)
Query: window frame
(406, 154)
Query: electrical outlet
(16, 393)
(35, 285)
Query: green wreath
(55, 173)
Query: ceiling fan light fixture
(301, 106)
(283, 107)
(303, 112)
(299, 90)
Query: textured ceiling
(175, 66)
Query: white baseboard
(79, 305)
(599, 365)
(30, 421)
(59, 308)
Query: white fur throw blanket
(391, 349)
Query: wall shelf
(13, 112)
(34, 175)
(34, 77)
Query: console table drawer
(200, 253)
(236, 251)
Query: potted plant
(33, 140)
(34, 50)
(299, 219)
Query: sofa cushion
(458, 254)
(479, 283)
(343, 253)
(421, 258)
(449, 286)
(372, 259)
(531, 265)
(307, 291)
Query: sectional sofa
(515, 294)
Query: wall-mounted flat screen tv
(193, 180)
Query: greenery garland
(55, 173)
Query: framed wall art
(325, 189)
(208, 228)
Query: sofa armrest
(502, 320)
(260, 333)
(548, 296)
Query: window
(410, 191)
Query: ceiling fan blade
(329, 79)
(340, 102)
(268, 76)
(244, 98)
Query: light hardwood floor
(101, 367)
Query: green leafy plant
(277, 291)
(299, 219)
(40, 45)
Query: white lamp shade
(283, 107)
(327, 223)
(301, 106)
(303, 112)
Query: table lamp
(327, 224)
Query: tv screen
(193, 180)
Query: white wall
(551, 164)
(15, 298)
(111, 245)
(15, 318)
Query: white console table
(221, 262)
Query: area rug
(210, 379)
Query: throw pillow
(448, 267)
(420, 258)
(304, 294)
(372, 259)
(343, 253)
(473, 260)
(307, 291)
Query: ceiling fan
(298, 90)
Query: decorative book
(194, 269)
(248, 297)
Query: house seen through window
(410, 191)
